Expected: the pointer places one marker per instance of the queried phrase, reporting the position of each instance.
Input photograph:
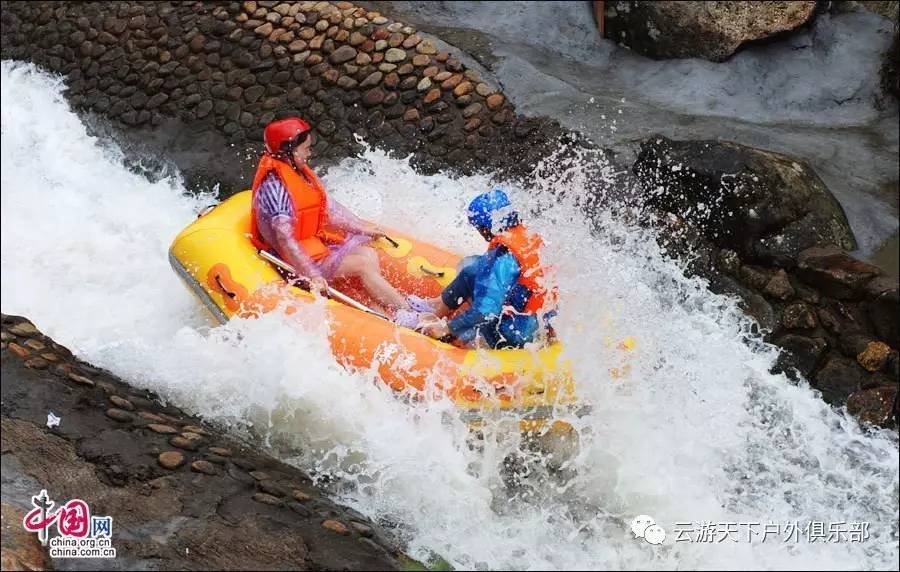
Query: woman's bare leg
(362, 262)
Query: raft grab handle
(227, 292)
(205, 210)
(431, 272)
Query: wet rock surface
(21, 549)
(834, 272)
(171, 508)
(763, 227)
(709, 30)
(766, 206)
(836, 326)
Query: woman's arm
(291, 249)
(340, 217)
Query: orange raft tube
(215, 258)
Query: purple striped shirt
(271, 200)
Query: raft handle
(393, 242)
(431, 272)
(205, 210)
(227, 292)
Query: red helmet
(284, 131)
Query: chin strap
(287, 158)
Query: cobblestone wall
(239, 65)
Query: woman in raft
(292, 215)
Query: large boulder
(887, 9)
(709, 30)
(765, 206)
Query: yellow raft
(216, 259)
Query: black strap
(431, 272)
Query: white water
(698, 432)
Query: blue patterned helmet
(492, 212)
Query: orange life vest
(310, 207)
(526, 246)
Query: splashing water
(698, 431)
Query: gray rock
(138, 100)
(343, 54)
(252, 94)
(884, 312)
(799, 316)
(779, 286)
(326, 127)
(394, 55)
(157, 100)
(752, 303)
(472, 110)
(203, 108)
(839, 379)
(371, 80)
(801, 353)
(754, 277)
(345, 82)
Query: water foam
(698, 431)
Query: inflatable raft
(216, 259)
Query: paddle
(331, 292)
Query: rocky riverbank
(763, 227)
(181, 493)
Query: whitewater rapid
(699, 431)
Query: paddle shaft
(337, 295)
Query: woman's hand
(319, 286)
